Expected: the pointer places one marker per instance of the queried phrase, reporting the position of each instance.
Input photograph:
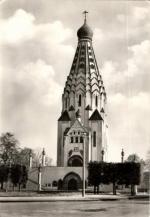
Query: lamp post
(122, 156)
(83, 168)
(43, 157)
(39, 177)
(122, 159)
(30, 159)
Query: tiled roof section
(88, 107)
(64, 116)
(95, 116)
(84, 74)
(71, 108)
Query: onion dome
(85, 32)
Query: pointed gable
(77, 126)
(71, 108)
(95, 116)
(88, 107)
(102, 110)
(64, 116)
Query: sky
(38, 41)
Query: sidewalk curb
(55, 199)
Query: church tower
(83, 107)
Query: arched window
(94, 138)
(80, 100)
(54, 183)
(96, 101)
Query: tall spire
(83, 98)
(84, 79)
(85, 15)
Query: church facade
(82, 122)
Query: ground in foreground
(125, 208)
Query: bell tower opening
(75, 161)
(96, 101)
(80, 100)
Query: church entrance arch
(75, 161)
(72, 182)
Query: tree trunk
(98, 189)
(114, 188)
(7, 185)
(94, 189)
(19, 187)
(133, 191)
(2, 185)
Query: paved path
(61, 198)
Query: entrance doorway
(72, 182)
(73, 185)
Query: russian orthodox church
(83, 107)
(82, 119)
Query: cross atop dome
(85, 32)
(85, 15)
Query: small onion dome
(85, 32)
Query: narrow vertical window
(81, 139)
(63, 138)
(96, 101)
(66, 103)
(76, 139)
(71, 139)
(79, 102)
(94, 138)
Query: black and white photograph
(74, 108)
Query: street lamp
(30, 159)
(39, 177)
(122, 158)
(83, 168)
